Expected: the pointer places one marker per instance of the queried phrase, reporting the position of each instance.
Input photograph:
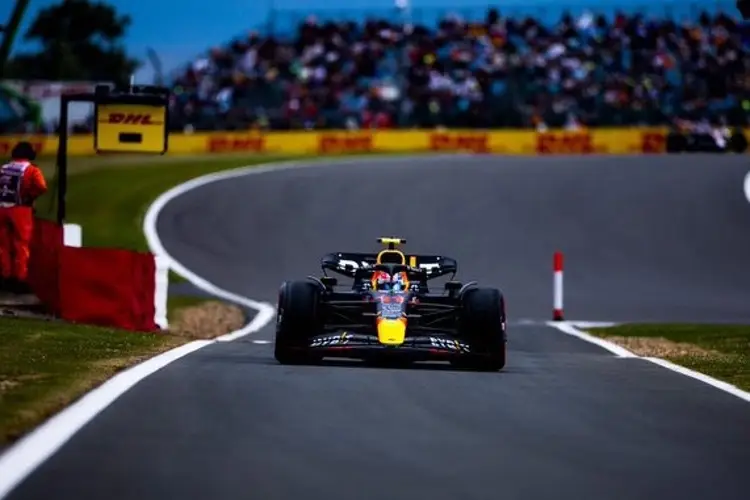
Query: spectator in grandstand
(497, 73)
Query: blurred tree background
(78, 40)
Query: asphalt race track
(645, 239)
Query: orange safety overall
(21, 183)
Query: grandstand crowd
(501, 72)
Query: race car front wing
(354, 345)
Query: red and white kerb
(557, 284)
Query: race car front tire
(297, 319)
(483, 326)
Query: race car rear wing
(352, 264)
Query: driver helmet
(381, 280)
(400, 281)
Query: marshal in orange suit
(21, 183)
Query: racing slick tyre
(297, 319)
(483, 326)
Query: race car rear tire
(483, 326)
(297, 319)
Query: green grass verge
(45, 365)
(720, 351)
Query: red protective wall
(107, 287)
(98, 286)
(44, 263)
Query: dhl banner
(130, 128)
(598, 141)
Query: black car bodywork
(462, 323)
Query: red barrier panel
(44, 259)
(108, 287)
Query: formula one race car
(389, 311)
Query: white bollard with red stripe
(557, 284)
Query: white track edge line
(568, 328)
(31, 451)
(620, 352)
(719, 384)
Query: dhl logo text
(552, 143)
(653, 142)
(476, 143)
(130, 119)
(253, 144)
(345, 143)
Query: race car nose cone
(391, 331)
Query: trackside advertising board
(129, 128)
(121, 128)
